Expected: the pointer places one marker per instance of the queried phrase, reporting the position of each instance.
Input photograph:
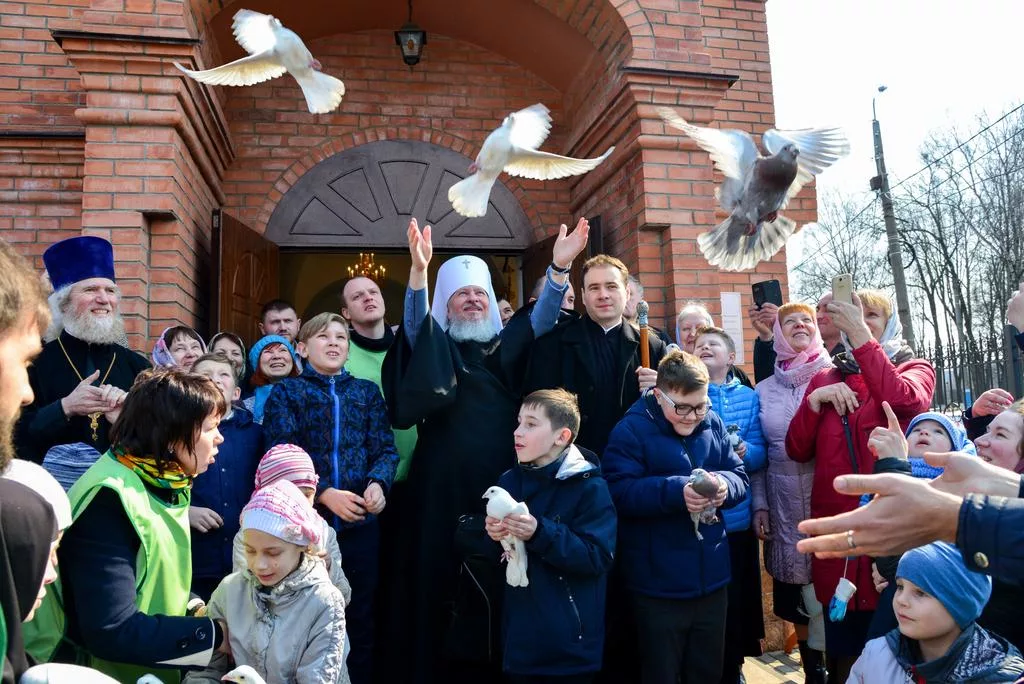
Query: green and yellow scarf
(168, 476)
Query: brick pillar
(156, 147)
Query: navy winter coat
(555, 626)
(226, 487)
(647, 465)
(342, 422)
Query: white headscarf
(457, 273)
(42, 483)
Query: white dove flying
(756, 188)
(512, 148)
(243, 674)
(273, 51)
(499, 505)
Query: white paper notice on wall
(732, 321)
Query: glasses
(685, 410)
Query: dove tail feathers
(322, 91)
(730, 249)
(470, 195)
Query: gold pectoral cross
(94, 424)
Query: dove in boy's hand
(512, 148)
(273, 50)
(705, 484)
(756, 187)
(243, 675)
(500, 505)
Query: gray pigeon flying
(757, 188)
(705, 484)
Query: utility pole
(880, 184)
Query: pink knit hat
(286, 462)
(282, 511)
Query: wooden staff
(641, 319)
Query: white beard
(96, 330)
(472, 331)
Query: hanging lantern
(411, 39)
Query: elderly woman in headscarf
(841, 408)
(178, 347)
(272, 359)
(781, 493)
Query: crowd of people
(479, 494)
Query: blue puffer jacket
(737, 404)
(342, 423)
(646, 465)
(555, 626)
(226, 487)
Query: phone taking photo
(842, 288)
(767, 292)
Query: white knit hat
(42, 483)
(281, 510)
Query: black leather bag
(474, 633)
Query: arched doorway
(360, 200)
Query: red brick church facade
(100, 133)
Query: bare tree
(846, 239)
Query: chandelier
(366, 268)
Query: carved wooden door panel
(363, 198)
(246, 276)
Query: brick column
(156, 147)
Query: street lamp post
(880, 184)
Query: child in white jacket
(937, 603)
(292, 463)
(285, 618)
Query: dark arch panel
(363, 198)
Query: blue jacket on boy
(737, 404)
(555, 626)
(226, 487)
(342, 422)
(647, 465)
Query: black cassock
(43, 423)
(464, 400)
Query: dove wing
(732, 151)
(819, 148)
(242, 72)
(547, 166)
(531, 127)
(254, 31)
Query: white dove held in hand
(705, 484)
(243, 674)
(756, 188)
(58, 673)
(512, 148)
(500, 504)
(273, 50)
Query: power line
(949, 152)
(832, 237)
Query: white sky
(944, 61)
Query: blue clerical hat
(79, 258)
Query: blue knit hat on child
(957, 437)
(939, 570)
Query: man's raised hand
(569, 245)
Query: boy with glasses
(676, 580)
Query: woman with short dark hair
(125, 566)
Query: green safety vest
(163, 569)
(366, 365)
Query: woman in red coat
(840, 409)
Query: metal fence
(964, 371)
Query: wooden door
(246, 277)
